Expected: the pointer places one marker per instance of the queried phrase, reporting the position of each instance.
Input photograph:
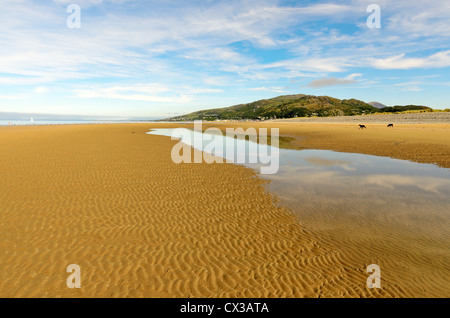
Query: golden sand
(110, 199)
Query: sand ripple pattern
(113, 202)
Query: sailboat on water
(31, 120)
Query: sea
(63, 122)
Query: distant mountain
(377, 105)
(287, 106)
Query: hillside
(396, 109)
(287, 106)
(294, 106)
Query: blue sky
(163, 58)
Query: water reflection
(391, 212)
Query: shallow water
(390, 212)
(43, 122)
(61, 122)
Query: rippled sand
(110, 199)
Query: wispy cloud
(41, 90)
(412, 86)
(153, 92)
(437, 60)
(333, 81)
(148, 93)
(270, 89)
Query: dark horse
(362, 127)
(391, 125)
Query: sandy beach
(110, 199)
(379, 118)
(231, 156)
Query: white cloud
(437, 60)
(270, 89)
(320, 64)
(412, 86)
(41, 90)
(147, 93)
(204, 90)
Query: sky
(162, 58)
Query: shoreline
(425, 143)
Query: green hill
(287, 106)
(397, 109)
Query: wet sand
(424, 143)
(110, 199)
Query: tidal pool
(376, 210)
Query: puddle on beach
(376, 210)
